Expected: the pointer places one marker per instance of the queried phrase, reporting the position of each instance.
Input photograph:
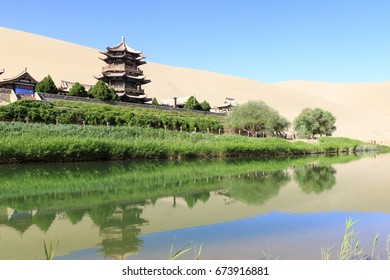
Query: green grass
(22, 142)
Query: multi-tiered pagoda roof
(122, 72)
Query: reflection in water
(114, 196)
(314, 178)
(256, 187)
(43, 220)
(75, 215)
(120, 232)
(191, 199)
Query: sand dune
(361, 109)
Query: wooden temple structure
(21, 84)
(122, 72)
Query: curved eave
(99, 77)
(141, 97)
(136, 77)
(109, 57)
(24, 73)
(123, 47)
(226, 105)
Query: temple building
(122, 72)
(22, 84)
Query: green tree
(205, 106)
(154, 101)
(78, 90)
(102, 91)
(256, 116)
(46, 86)
(192, 104)
(312, 122)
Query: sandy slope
(361, 109)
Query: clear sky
(265, 40)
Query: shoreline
(29, 143)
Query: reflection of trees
(315, 179)
(101, 214)
(257, 187)
(44, 220)
(75, 215)
(192, 198)
(20, 221)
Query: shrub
(46, 86)
(101, 91)
(78, 90)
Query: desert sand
(361, 109)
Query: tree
(154, 101)
(78, 90)
(192, 104)
(311, 122)
(46, 86)
(205, 106)
(102, 91)
(256, 116)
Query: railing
(128, 89)
(122, 68)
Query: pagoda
(122, 72)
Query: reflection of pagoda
(123, 74)
(120, 232)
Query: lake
(273, 208)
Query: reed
(49, 251)
(186, 248)
(350, 247)
(40, 142)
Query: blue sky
(265, 40)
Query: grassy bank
(22, 142)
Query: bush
(154, 101)
(101, 91)
(78, 113)
(78, 90)
(46, 86)
(192, 104)
(205, 106)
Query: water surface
(285, 208)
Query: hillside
(361, 108)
